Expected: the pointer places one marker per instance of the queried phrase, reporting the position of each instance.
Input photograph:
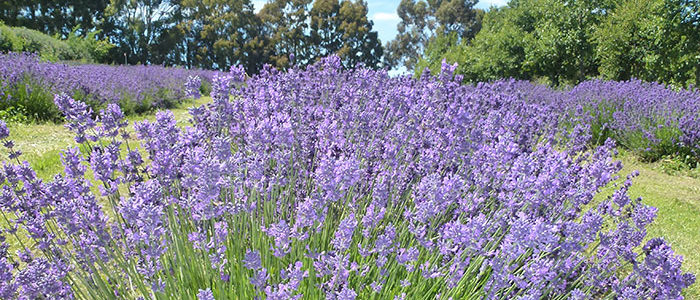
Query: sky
(383, 13)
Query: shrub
(9, 41)
(27, 81)
(74, 48)
(649, 118)
(89, 48)
(46, 46)
(338, 184)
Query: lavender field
(27, 85)
(326, 183)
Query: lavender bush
(649, 118)
(28, 82)
(324, 183)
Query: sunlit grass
(677, 198)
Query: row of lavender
(651, 119)
(28, 82)
(324, 183)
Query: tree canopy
(422, 21)
(567, 41)
(212, 34)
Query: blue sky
(383, 13)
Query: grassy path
(677, 197)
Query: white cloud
(258, 4)
(489, 3)
(382, 16)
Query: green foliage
(444, 46)
(423, 21)
(137, 27)
(9, 41)
(313, 29)
(285, 27)
(14, 115)
(46, 46)
(643, 39)
(343, 28)
(564, 42)
(680, 165)
(217, 34)
(89, 47)
(53, 17)
(497, 51)
(75, 47)
(533, 39)
(31, 100)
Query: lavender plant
(31, 83)
(324, 183)
(648, 118)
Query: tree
(652, 40)
(286, 26)
(422, 21)
(342, 28)
(328, 27)
(54, 16)
(213, 34)
(138, 26)
(562, 49)
(625, 39)
(543, 40)
(217, 33)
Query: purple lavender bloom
(659, 275)
(43, 279)
(111, 119)
(192, 87)
(343, 235)
(577, 294)
(78, 116)
(152, 86)
(282, 234)
(252, 260)
(4, 132)
(238, 73)
(346, 294)
(260, 279)
(293, 276)
(405, 257)
(144, 216)
(8, 288)
(205, 295)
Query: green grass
(677, 196)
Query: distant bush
(45, 46)
(90, 46)
(75, 47)
(9, 41)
